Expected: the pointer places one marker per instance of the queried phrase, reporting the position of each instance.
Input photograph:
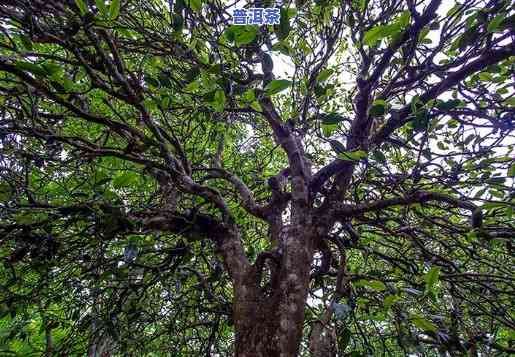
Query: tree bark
(322, 341)
(269, 326)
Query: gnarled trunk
(271, 325)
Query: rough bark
(268, 326)
(322, 341)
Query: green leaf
(303, 45)
(453, 10)
(114, 9)
(242, 35)
(332, 118)
(102, 181)
(511, 170)
(101, 6)
(215, 69)
(396, 37)
(58, 87)
(495, 24)
(510, 102)
(219, 100)
(374, 35)
(324, 75)
(423, 33)
(377, 33)
(165, 102)
(282, 48)
(378, 108)
(379, 156)
(164, 79)
(194, 72)
(256, 106)
(404, 19)
(277, 85)
(362, 5)
(191, 87)
(27, 43)
(25, 219)
(283, 30)
(329, 129)
(453, 123)
(419, 114)
(373, 284)
(229, 34)
(249, 95)
(353, 155)
(390, 300)
(377, 285)
(424, 324)
(151, 80)
(68, 84)
(83, 8)
(431, 277)
(31, 67)
(320, 90)
(416, 104)
(485, 76)
(344, 339)
(51, 68)
(123, 179)
(468, 38)
(448, 105)
(5, 192)
(195, 5)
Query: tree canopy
(338, 184)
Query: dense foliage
(341, 183)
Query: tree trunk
(271, 325)
(322, 341)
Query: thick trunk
(322, 341)
(268, 326)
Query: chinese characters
(256, 16)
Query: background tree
(168, 190)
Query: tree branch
(417, 197)
(402, 116)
